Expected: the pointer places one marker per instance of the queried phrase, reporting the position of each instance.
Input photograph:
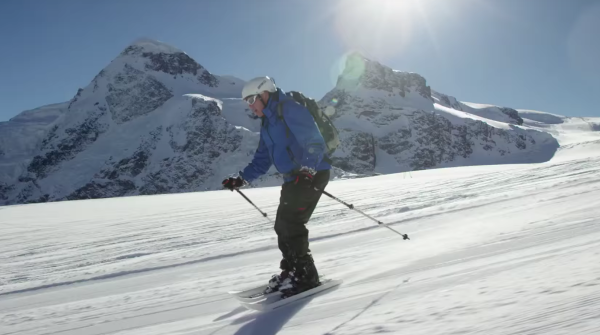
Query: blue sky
(534, 54)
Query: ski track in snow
(508, 249)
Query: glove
(303, 178)
(233, 183)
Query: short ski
(256, 296)
(257, 293)
(252, 294)
(263, 303)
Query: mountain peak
(359, 71)
(147, 45)
(164, 58)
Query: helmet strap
(263, 100)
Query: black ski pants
(296, 206)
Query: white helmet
(257, 86)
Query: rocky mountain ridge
(391, 121)
(156, 121)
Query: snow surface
(490, 112)
(542, 117)
(571, 131)
(454, 114)
(505, 249)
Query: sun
(384, 30)
(378, 27)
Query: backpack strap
(280, 114)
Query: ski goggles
(251, 99)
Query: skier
(293, 143)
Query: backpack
(326, 127)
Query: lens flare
(348, 70)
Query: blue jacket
(289, 145)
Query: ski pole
(351, 206)
(258, 209)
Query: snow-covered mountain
(156, 121)
(20, 136)
(391, 121)
(150, 122)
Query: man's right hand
(233, 183)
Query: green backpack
(326, 127)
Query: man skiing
(290, 140)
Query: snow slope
(541, 117)
(501, 249)
(567, 130)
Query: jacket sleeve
(305, 130)
(261, 163)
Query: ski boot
(277, 280)
(302, 277)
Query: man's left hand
(303, 178)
